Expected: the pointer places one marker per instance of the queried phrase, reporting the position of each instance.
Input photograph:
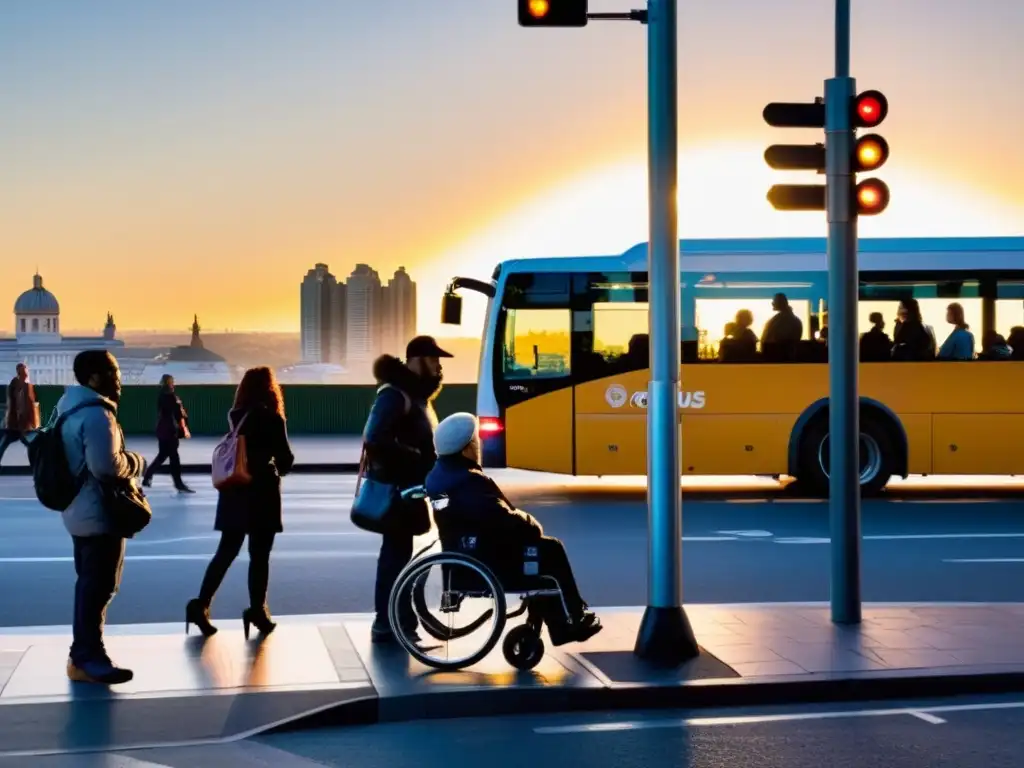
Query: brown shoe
(99, 673)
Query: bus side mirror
(451, 309)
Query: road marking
(927, 714)
(966, 560)
(903, 537)
(285, 555)
(709, 538)
(801, 540)
(748, 534)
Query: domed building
(38, 341)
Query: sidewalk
(322, 670)
(335, 453)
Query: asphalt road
(745, 550)
(958, 733)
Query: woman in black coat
(171, 426)
(254, 508)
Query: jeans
(260, 545)
(8, 437)
(98, 564)
(168, 450)
(395, 553)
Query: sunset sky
(161, 159)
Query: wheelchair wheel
(523, 647)
(457, 601)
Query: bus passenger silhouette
(782, 332)
(875, 345)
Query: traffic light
(553, 13)
(796, 157)
(869, 109)
(870, 153)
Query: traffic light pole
(843, 358)
(665, 635)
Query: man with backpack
(399, 444)
(96, 459)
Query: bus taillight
(490, 425)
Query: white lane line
(277, 555)
(927, 717)
(903, 537)
(965, 560)
(708, 538)
(927, 714)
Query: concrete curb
(706, 694)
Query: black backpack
(56, 487)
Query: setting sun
(721, 194)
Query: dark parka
(256, 506)
(477, 507)
(170, 417)
(399, 433)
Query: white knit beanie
(455, 433)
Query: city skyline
(351, 322)
(138, 140)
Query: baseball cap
(424, 346)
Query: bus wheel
(876, 454)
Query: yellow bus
(564, 363)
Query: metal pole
(843, 358)
(665, 635)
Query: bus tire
(877, 454)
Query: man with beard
(399, 442)
(94, 447)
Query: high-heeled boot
(197, 612)
(259, 618)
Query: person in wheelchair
(477, 509)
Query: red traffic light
(872, 197)
(870, 109)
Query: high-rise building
(339, 342)
(363, 315)
(399, 321)
(322, 325)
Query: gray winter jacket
(92, 441)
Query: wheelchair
(474, 586)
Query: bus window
(621, 335)
(934, 298)
(536, 343)
(1009, 322)
(742, 308)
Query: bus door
(534, 381)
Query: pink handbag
(230, 467)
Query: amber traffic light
(870, 153)
(871, 197)
(553, 13)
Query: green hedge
(312, 409)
